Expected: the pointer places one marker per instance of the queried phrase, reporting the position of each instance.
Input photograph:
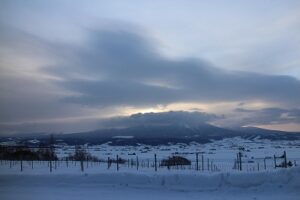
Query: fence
(82, 160)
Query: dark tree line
(26, 153)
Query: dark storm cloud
(157, 119)
(126, 69)
(121, 67)
(107, 93)
(26, 93)
(146, 119)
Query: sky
(68, 66)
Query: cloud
(270, 116)
(119, 66)
(159, 119)
(126, 68)
(91, 123)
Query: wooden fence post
(155, 162)
(285, 160)
(197, 164)
(117, 163)
(108, 160)
(207, 164)
(50, 162)
(240, 161)
(81, 165)
(202, 162)
(87, 161)
(21, 164)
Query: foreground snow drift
(268, 185)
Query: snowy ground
(222, 152)
(67, 181)
(281, 184)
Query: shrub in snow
(82, 154)
(175, 160)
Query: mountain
(151, 135)
(158, 128)
(154, 135)
(254, 132)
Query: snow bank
(276, 185)
(288, 180)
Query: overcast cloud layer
(94, 70)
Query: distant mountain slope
(154, 135)
(252, 132)
(159, 128)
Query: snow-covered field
(67, 181)
(222, 153)
(72, 184)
